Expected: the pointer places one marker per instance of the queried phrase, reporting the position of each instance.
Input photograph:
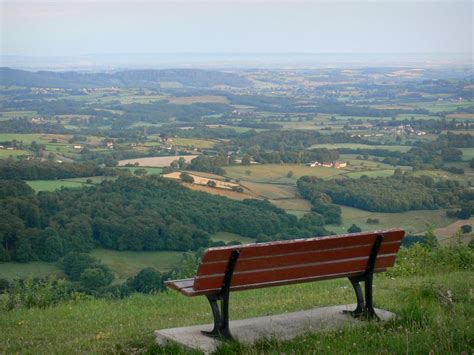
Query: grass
(52, 185)
(411, 221)
(6, 153)
(427, 322)
(467, 153)
(8, 115)
(277, 173)
(393, 148)
(194, 142)
(271, 191)
(14, 270)
(150, 171)
(128, 263)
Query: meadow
(413, 222)
(428, 319)
(126, 264)
(277, 173)
(393, 148)
(52, 185)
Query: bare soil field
(156, 162)
(445, 235)
(188, 100)
(222, 192)
(199, 180)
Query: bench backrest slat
(304, 259)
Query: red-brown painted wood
(293, 273)
(299, 245)
(293, 259)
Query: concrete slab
(281, 326)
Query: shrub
(37, 293)
(94, 278)
(75, 263)
(148, 280)
(354, 229)
(185, 177)
(466, 229)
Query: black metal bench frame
(364, 310)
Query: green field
(277, 173)
(467, 153)
(150, 171)
(128, 263)
(51, 185)
(6, 153)
(296, 206)
(412, 221)
(270, 191)
(8, 115)
(194, 143)
(14, 270)
(397, 148)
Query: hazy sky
(86, 27)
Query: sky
(73, 28)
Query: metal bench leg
(221, 318)
(366, 309)
(221, 328)
(360, 299)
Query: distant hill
(149, 78)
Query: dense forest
(397, 193)
(149, 213)
(11, 169)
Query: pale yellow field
(158, 162)
(188, 100)
(199, 180)
(222, 192)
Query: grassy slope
(128, 263)
(428, 322)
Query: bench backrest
(295, 261)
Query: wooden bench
(244, 267)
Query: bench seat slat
(293, 259)
(289, 273)
(299, 245)
(192, 293)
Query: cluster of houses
(332, 164)
(409, 130)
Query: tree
(354, 229)
(237, 189)
(75, 263)
(24, 253)
(51, 248)
(93, 278)
(246, 160)
(148, 280)
(185, 177)
(211, 183)
(466, 228)
(140, 172)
